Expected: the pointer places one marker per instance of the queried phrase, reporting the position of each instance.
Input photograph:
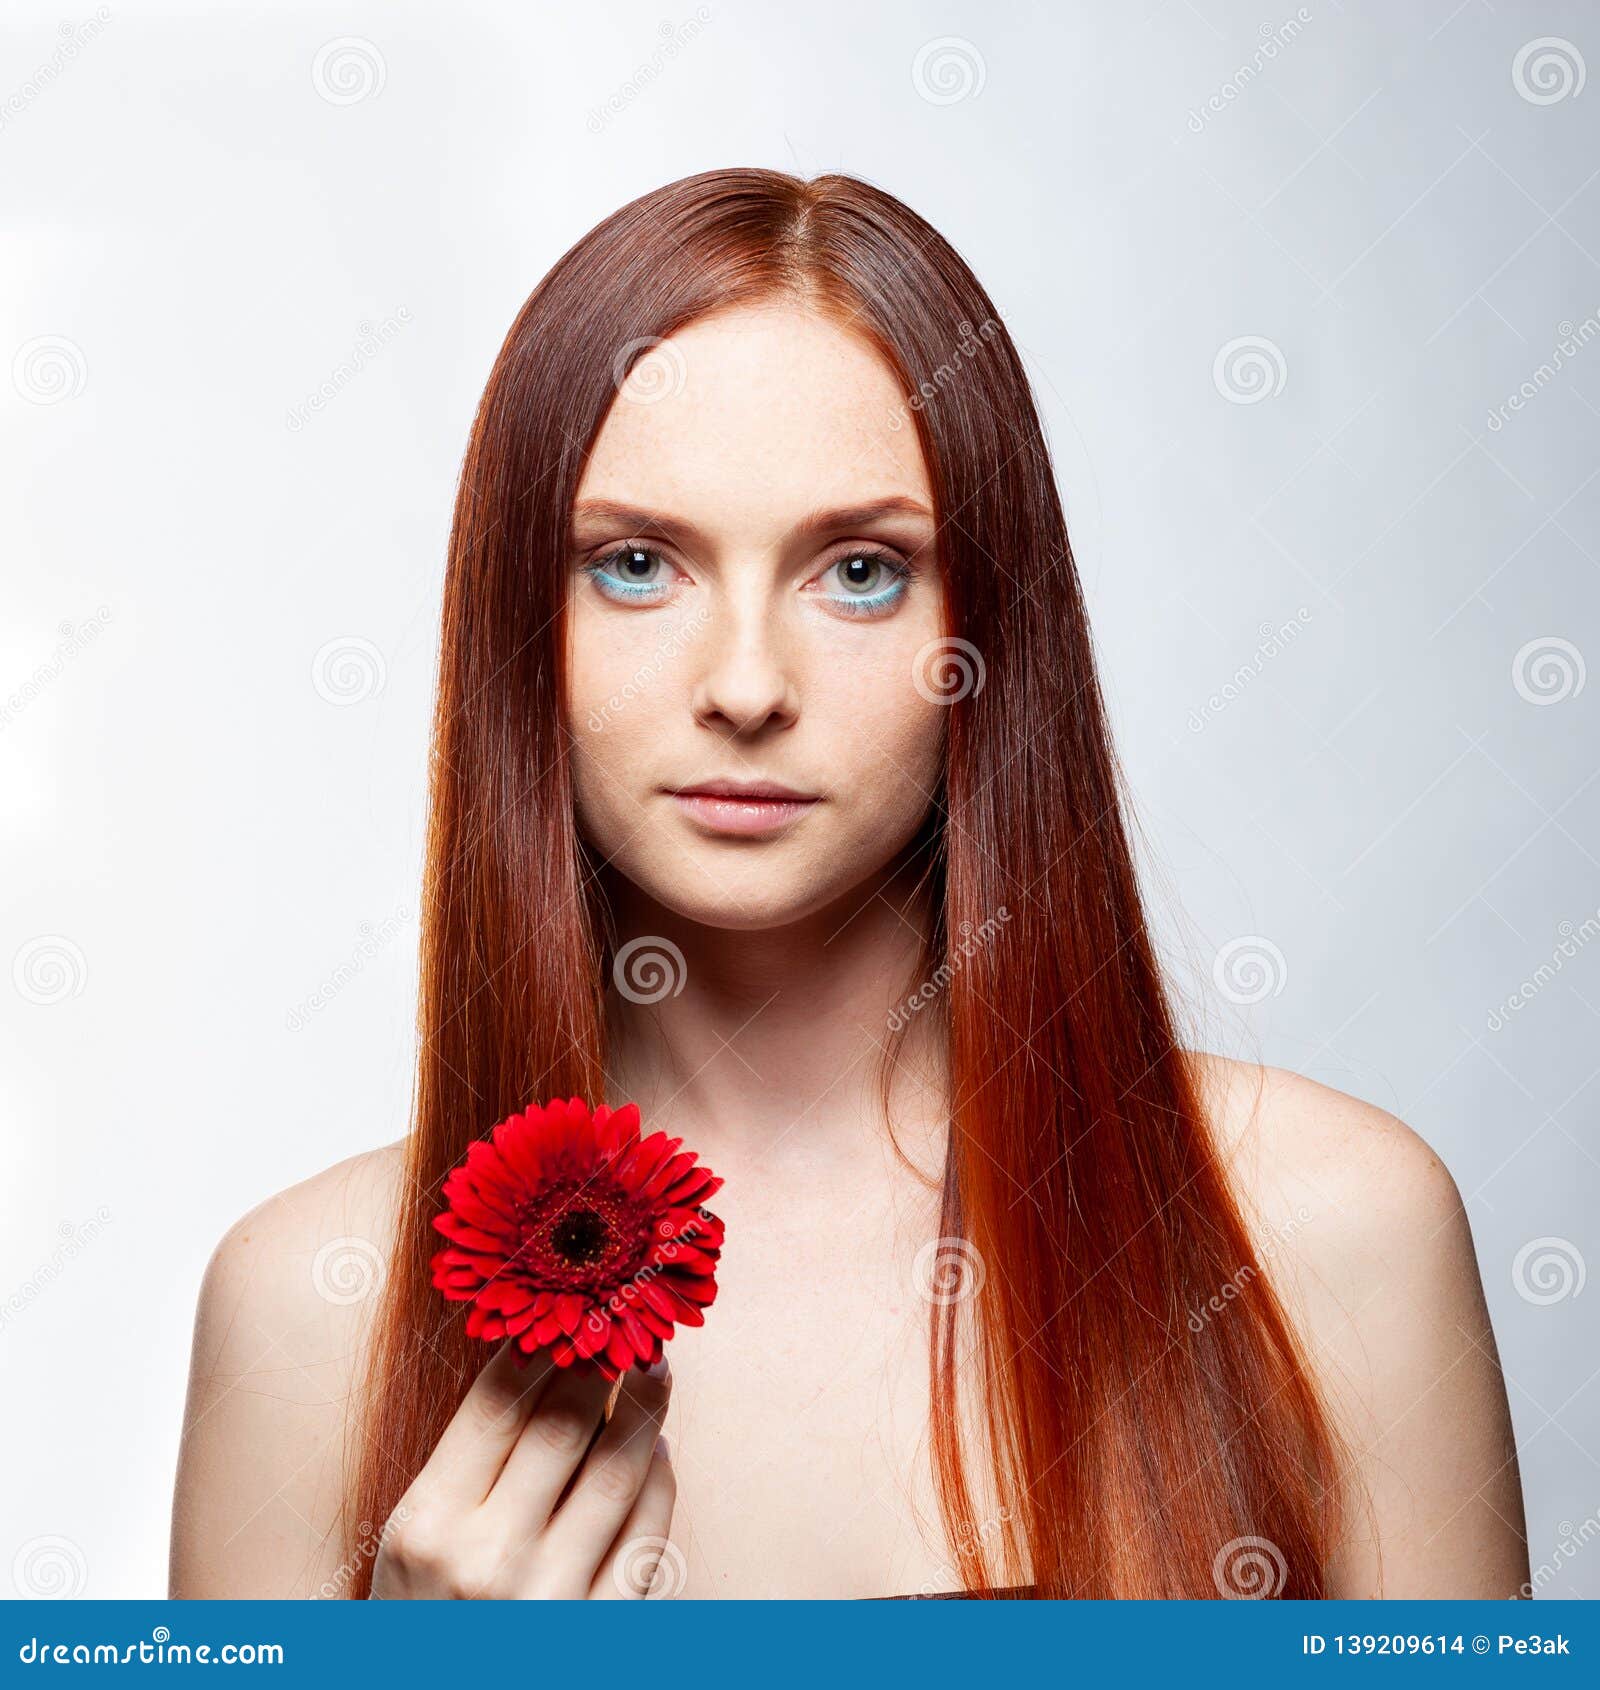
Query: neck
(774, 1046)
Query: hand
(521, 1499)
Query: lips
(744, 790)
(744, 809)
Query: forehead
(774, 408)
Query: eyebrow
(659, 525)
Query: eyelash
(868, 604)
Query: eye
(630, 575)
(871, 583)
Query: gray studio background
(1312, 301)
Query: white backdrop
(1310, 297)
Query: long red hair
(1133, 1450)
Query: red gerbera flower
(570, 1232)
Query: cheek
(885, 743)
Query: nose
(746, 683)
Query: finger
(546, 1454)
(485, 1428)
(643, 1560)
(608, 1481)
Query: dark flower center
(580, 1236)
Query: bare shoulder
(1362, 1230)
(283, 1310)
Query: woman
(1019, 1295)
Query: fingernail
(663, 1448)
(659, 1369)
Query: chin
(758, 910)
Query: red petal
(547, 1329)
(668, 1174)
(619, 1351)
(692, 1288)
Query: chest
(799, 1413)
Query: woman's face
(753, 596)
